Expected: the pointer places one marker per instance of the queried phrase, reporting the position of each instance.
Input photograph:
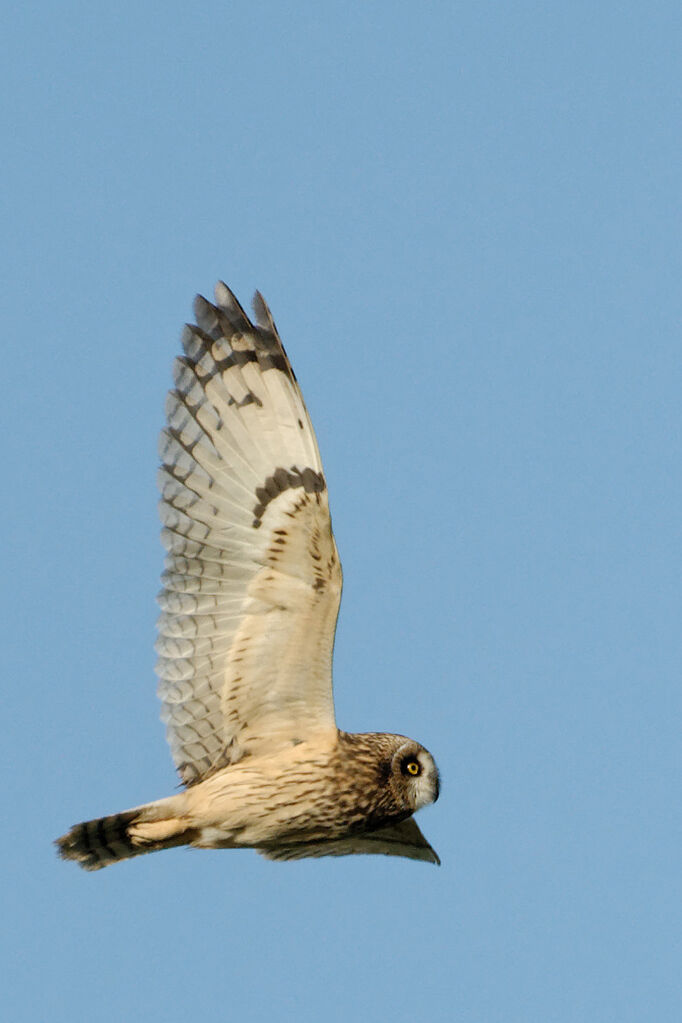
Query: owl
(250, 597)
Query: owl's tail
(95, 844)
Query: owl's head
(414, 775)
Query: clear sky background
(466, 219)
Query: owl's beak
(436, 787)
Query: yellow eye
(412, 767)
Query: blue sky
(466, 219)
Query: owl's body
(336, 788)
(249, 609)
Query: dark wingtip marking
(227, 320)
(206, 314)
(228, 304)
(263, 315)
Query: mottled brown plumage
(249, 606)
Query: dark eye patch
(410, 762)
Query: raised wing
(253, 581)
(404, 839)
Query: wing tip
(262, 314)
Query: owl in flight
(249, 603)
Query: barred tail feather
(97, 843)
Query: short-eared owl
(248, 611)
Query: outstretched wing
(404, 839)
(253, 581)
